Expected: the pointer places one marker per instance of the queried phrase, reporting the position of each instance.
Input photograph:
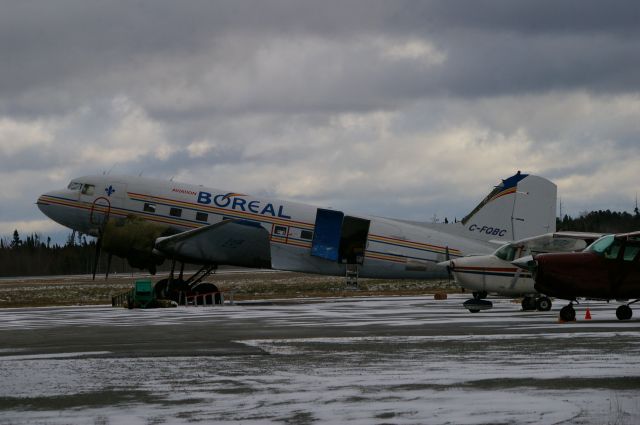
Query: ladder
(351, 278)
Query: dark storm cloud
(404, 108)
(55, 54)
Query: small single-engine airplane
(495, 274)
(608, 269)
(147, 221)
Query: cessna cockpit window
(607, 246)
(506, 252)
(74, 186)
(88, 189)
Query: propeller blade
(97, 256)
(448, 257)
(108, 266)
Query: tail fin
(521, 206)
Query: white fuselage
(490, 274)
(393, 248)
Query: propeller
(448, 258)
(96, 259)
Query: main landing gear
(624, 312)
(177, 288)
(567, 313)
(536, 303)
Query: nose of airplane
(527, 262)
(52, 205)
(447, 263)
(43, 204)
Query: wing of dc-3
(237, 242)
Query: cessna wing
(558, 241)
(234, 242)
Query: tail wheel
(624, 312)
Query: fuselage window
(151, 208)
(175, 212)
(306, 234)
(200, 216)
(88, 189)
(631, 252)
(74, 186)
(280, 231)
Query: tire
(528, 304)
(543, 304)
(474, 311)
(206, 288)
(624, 312)
(568, 314)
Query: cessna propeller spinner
(147, 221)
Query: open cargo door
(339, 238)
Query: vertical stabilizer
(522, 206)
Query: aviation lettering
(494, 231)
(240, 204)
(204, 198)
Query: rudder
(521, 206)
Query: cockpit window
(601, 244)
(607, 246)
(74, 186)
(88, 189)
(506, 252)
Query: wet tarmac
(404, 360)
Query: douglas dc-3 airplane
(147, 221)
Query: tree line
(34, 256)
(601, 222)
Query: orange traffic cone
(587, 314)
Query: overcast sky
(395, 108)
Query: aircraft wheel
(624, 312)
(567, 313)
(543, 304)
(206, 288)
(528, 304)
(480, 295)
(160, 288)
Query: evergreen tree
(16, 242)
